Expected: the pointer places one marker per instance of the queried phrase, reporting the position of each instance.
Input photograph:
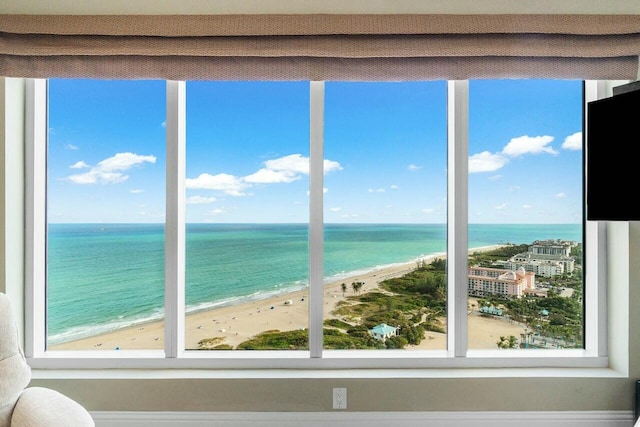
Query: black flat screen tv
(612, 175)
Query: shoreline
(233, 324)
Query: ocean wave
(122, 322)
(85, 331)
(282, 289)
(364, 271)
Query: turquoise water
(107, 276)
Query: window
(389, 224)
(105, 209)
(384, 213)
(247, 212)
(525, 177)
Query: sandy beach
(232, 325)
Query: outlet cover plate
(339, 398)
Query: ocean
(102, 277)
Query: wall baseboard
(366, 419)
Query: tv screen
(612, 170)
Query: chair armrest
(39, 406)
(15, 375)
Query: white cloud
(525, 206)
(79, 165)
(200, 200)
(124, 161)
(282, 170)
(287, 169)
(71, 147)
(94, 177)
(529, 145)
(495, 177)
(382, 189)
(298, 164)
(215, 212)
(413, 167)
(330, 166)
(222, 182)
(513, 188)
(428, 210)
(136, 191)
(270, 176)
(501, 207)
(335, 209)
(573, 142)
(489, 162)
(486, 162)
(293, 163)
(109, 170)
(561, 195)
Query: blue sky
(247, 152)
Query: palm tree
(356, 286)
(344, 288)
(507, 342)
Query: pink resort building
(485, 281)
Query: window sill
(150, 374)
(153, 364)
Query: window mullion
(594, 261)
(35, 203)
(457, 237)
(175, 219)
(594, 237)
(316, 232)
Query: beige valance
(321, 47)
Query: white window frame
(595, 354)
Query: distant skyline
(248, 149)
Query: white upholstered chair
(23, 406)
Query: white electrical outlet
(339, 398)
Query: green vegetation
(337, 323)
(413, 303)
(507, 342)
(356, 286)
(486, 259)
(556, 318)
(213, 344)
(416, 302)
(276, 340)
